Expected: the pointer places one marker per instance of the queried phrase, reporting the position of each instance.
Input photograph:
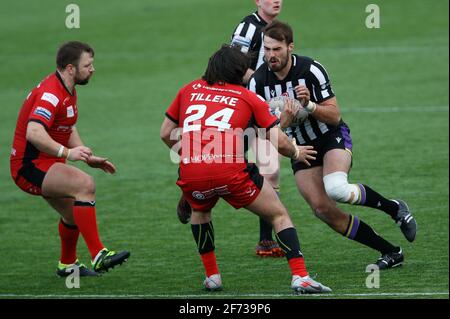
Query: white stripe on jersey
(309, 130)
(260, 54)
(289, 89)
(252, 85)
(318, 74)
(323, 127)
(325, 94)
(314, 92)
(278, 90)
(267, 93)
(251, 31)
(256, 16)
(299, 135)
(239, 29)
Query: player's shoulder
(305, 62)
(50, 89)
(252, 19)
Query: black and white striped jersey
(304, 71)
(248, 35)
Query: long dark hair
(227, 65)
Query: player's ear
(291, 47)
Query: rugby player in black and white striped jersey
(325, 181)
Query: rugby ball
(276, 105)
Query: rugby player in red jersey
(214, 114)
(45, 139)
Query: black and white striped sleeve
(321, 85)
(243, 36)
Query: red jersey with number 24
(213, 119)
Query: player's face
(85, 69)
(271, 8)
(277, 53)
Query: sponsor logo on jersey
(43, 112)
(338, 139)
(198, 195)
(196, 86)
(70, 112)
(49, 97)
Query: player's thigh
(310, 185)
(336, 160)
(64, 180)
(64, 206)
(268, 206)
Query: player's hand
(79, 153)
(102, 163)
(305, 153)
(303, 94)
(288, 114)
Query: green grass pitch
(392, 86)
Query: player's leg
(268, 206)
(68, 233)
(184, 210)
(310, 185)
(203, 232)
(63, 180)
(268, 162)
(337, 164)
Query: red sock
(69, 237)
(84, 215)
(298, 267)
(210, 263)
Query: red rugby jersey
(52, 105)
(213, 119)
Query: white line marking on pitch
(387, 294)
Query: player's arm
(326, 111)
(93, 160)
(74, 139)
(38, 136)
(167, 127)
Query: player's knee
(337, 188)
(86, 185)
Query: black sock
(288, 241)
(204, 237)
(265, 230)
(371, 198)
(362, 233)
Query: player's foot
(269, 248)
(390, 260)
(307, 285)
(184, 210)
(213, 283)
(65, 270)
(406, 221)
(107, 259)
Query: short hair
(70, 53)
(227, 65)
(279, 31)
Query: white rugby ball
(276, 105)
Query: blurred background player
(325, 182)
(45, 138)
(215, 110)
(248, 37)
